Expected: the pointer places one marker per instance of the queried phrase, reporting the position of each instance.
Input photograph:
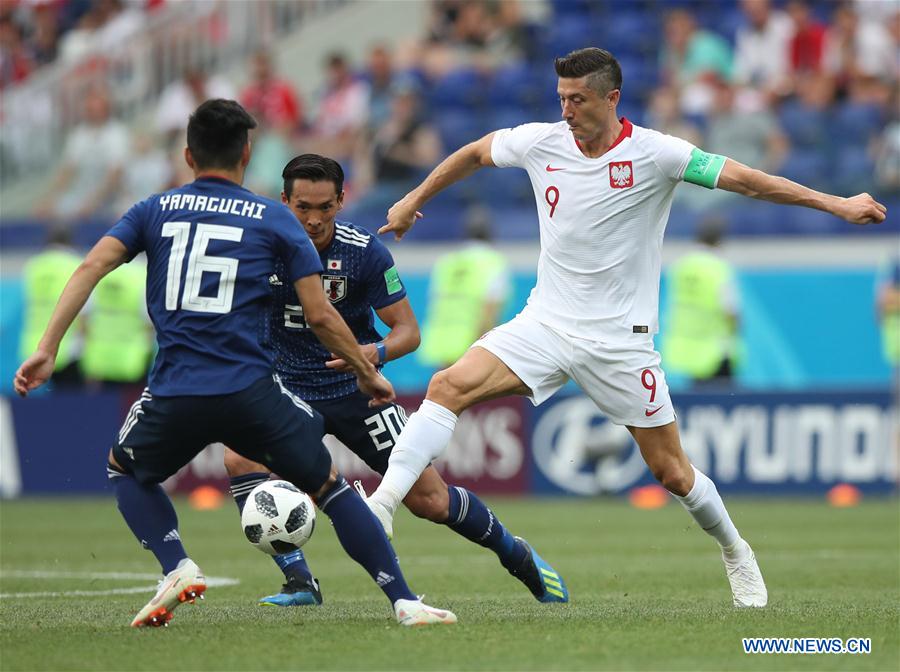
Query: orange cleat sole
(161, 617)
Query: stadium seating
(856, 124)
(806, 127)
(829, 148)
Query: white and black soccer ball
(278, 517)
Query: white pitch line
(211, 581)
(51, 574)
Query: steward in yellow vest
(700, 336)
(889, 313)
(118, 340)
(467, 292)
(44, 278)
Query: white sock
(705, 505)
(422, 440)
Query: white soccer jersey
(601, 222)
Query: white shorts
(623, 379)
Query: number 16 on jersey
(199, 263)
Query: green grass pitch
(648, 592)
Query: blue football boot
(295, 593)
(539, 577)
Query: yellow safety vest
(890, 338)
(698, 334)
(118, 342)
(44, 278)
(459, 284)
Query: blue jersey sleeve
(383, 284)
(294, 247)
(130, 229)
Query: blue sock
(364, 540)
(150, 515)
(476, 522)
(292, 565)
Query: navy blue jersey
(359, 275)
(211, 247)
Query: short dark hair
(217, 133)
(598, 65)
(315, 168)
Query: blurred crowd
(34, 33)
(804, 89)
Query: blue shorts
(264, 423)
(368, 432)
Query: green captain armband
(704, 168)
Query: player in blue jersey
(211, 247)
(360, 277)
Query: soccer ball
(278, 517)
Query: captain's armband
(704, 168)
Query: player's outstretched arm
(741, 179)
(330, 328)
(107, 255)
(459, 165)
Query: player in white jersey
(603, 189)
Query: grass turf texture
(648, 587)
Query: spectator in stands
(43, 279)
(473, 33)
(342, 110)
(514, 20)
(401, 148)
(15, 61)
(761, 57)
(271, 147)
(278, 109)
(700, 333)
(692, 60)
(878, 12)
(807, 46)
(380, 77)
(80, 40)
(664, 115)
(180, 98)
(443, 17)
(816, 92)
(753, 138)
(860, 56)
(893, 25)
(406, 143)
(148, 170)
(467, 292)
(118, 23)
(472, 25)
(93, 160)
(887, 149)
(70, 12)
(43, 40)
(273, 101)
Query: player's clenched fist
(400, 219)
(862, 209)
(378, 387)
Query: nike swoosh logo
(649, 413)
(553, 170)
